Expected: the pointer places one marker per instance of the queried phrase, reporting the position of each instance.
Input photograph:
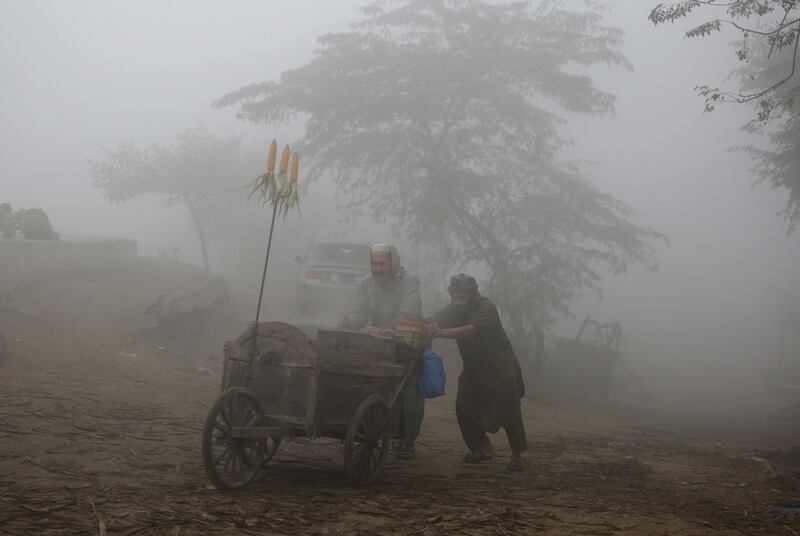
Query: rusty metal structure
(585, 364)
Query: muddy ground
(100, 420)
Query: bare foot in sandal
(518, 464)
(477, 457)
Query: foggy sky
(80, 75)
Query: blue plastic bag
(432, 378)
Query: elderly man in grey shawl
(390, 294)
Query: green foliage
(31, 223)
(670, 13)
(769, 25)
(705, 29)
(738, 10)
(436, 115)
(200, 165)
(768, 52)
(779, 166)
(201, 171)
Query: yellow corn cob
(295, 167)
(284, 160)
(273, 152)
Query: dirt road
(100, 433)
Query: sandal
(406, 453)
(481, 457)
(517, 465)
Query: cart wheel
(366, 442)
(231, 463)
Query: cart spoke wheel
(366, 442)
(231, 463)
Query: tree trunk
(520, 337)
(538, 358)
(494, 256)
(200, 236)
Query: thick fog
(79, 76)
(86, 75)
(707, 318)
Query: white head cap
(392, 251)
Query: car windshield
(356, 254)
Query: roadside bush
(32, 223)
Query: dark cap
(463, 283)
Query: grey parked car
(329, 274)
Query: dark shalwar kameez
(490, 386)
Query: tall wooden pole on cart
(266, 263)
(283, 195)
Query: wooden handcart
(279, 382)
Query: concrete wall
(23, 261)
